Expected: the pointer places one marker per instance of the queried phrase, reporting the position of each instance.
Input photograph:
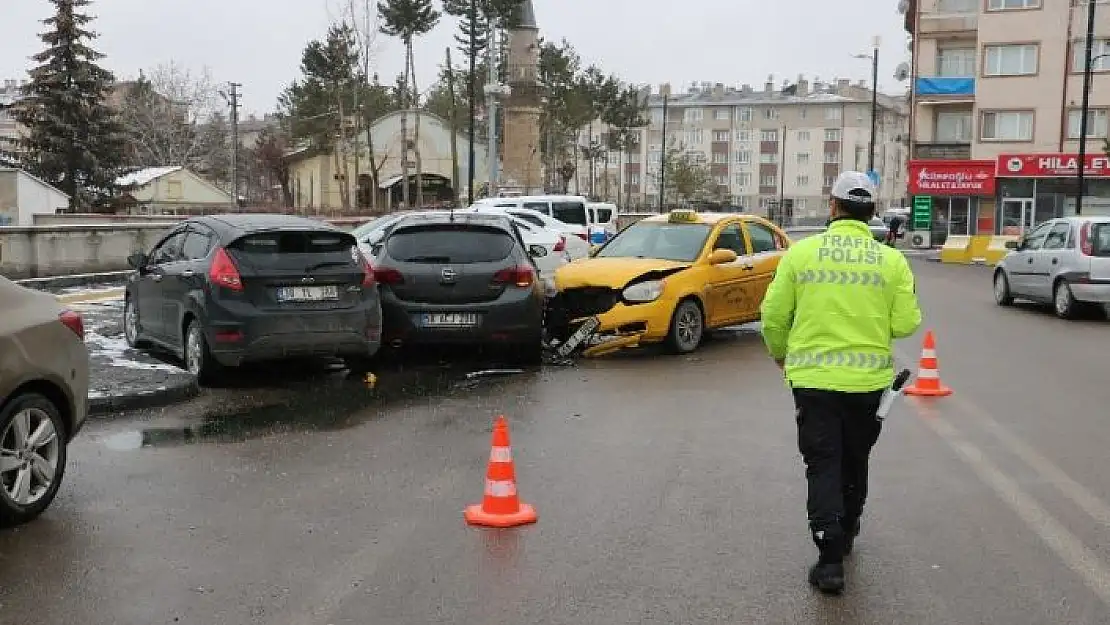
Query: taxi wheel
(687, 327)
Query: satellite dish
(902, 72)
(903, 6)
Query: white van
(569, 209)
(603, 221)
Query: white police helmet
(854, 186)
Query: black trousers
(836, 432)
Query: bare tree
(164, 112)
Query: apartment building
(995, 126)
(9, 129)
(778, 145)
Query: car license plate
(588, 327)
(307, 293)
(449, 320)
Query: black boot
(827, 577)
(851, 530)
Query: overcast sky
(259, 42)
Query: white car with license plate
(574, 236)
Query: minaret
(521, 148)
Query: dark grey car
(462, 278)
(222, 290)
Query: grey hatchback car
(44, 394)
(222, 290)
(461, 278)
(1065, 262)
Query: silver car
(44, 392)
(1064, 262)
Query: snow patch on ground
(90, 290)
(114, 349)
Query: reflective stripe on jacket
(835, 306)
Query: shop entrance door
(1017, 216)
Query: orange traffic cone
(927, 383)
(501, 507)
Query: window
(802, 181)
(803, 158)
(953, 126)
(731, 238)
(570, 212)
(720, 158)
(456, 244)
(1006, 126)
(766, 202)
(694, 136)
(1035, 239)
(196, 245)
(693, 115)
(721, 135)
(657, 116)
(698, 158)
(958, 6)
(742, 179)
(720, 114)
(770, 113)
(1010, 5)
(956, 62)
(743, 136)
(722, 180)
(769, 135)
(664, 241)
(830, 181)
(744, 114)
(743, 157)
(803, 135)
(543, 207)
(169, 250)
(832, 134)
(769, 181)
(803, 113)
(173, 189)
(768, 158)
(1014, 60)
(530, 218)
(832, 157)
(800, 204)
(1057, 237)
(633, 157)
(634, 179)
(1099, 61)
(1096, 123)
(833, 114)
(762, 238)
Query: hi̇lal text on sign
(1051, 165)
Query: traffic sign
(922, 216)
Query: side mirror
(1013, 245)
(138, 261)
(722, 256)
(537, 251)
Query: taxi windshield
(665, 241)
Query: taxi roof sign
(682, 216)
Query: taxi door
(767, 248)
(729, 286)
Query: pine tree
(74, 139)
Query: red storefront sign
(1051, 165)
(951, 177)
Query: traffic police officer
(837, 302)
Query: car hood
(614, 273)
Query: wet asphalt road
(669, 491)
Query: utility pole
(472, 97)
(1080, 170)
(492, 87)
(782, 180)
(232, 97)
(666, 89)
(874, 103)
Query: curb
(153, 398)
(81, 279)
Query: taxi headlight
(644, 291)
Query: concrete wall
(86, 243)
(38, 251)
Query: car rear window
(570, 212)
(455, 244)
(604, 215)
(295, 243)
(1100, 239)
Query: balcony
(941, 151)
(944, 89)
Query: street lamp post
(1088, 61)
(874, 57)
(666, 91)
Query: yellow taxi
(668, 278)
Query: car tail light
(561, 246)
(584, 236)
(1085, 244)
(73, 321)
(367, 271)
(388, 276)
(223, 271)
(522, 275)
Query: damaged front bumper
(618, 325)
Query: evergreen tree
(74, 139)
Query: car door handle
(1055, 260)
(1030, 261)
(748, 267)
